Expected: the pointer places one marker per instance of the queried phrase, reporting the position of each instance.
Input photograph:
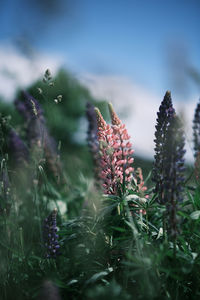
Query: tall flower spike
(38, 135)
(18, 148)
(22, 109)
(29, 108)
(115, 155)
(173, 172)
(106, 165)
(165, 114)
(196, 139)
(92, 137)
(33, 106)
(122, 148)
(197, 168)
(196, 130)
(33, 115)
(50, 235)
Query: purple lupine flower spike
(19, 149)
(39, 136)
(196, 140)
(29, 107)
(22, 109)
(166, 112)
(91, 115)
(173, 172)
(168, 172)
(33, 106)
(50, 235)
(196, 130)
(92, 137)
(39, 140)
(33, 115)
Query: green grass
(108, 249)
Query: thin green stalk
(21, 240)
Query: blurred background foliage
(66, 120)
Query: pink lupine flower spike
(116, 154)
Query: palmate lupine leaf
(166, 112)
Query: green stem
(21, 239)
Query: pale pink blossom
(116, 156)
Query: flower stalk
(50, 235)
(40, 142)
(115, 154)
(165, 114)
(168, 172)
(92, 139)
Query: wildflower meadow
(89, 221)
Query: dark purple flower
(18, 148)
(92, 137)
(33, 106)
(165, 114)
(168, 171)
(33, 115)
(52, 158)
(196, 139)
(22, 109)
(50, 235)
(39, 140)
(29, 107)
(196, 130)
(173, 172)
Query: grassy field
(82, 220)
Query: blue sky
(126, 38)
(127, 52)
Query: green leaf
(73, 281)
(120, 229)
(99, 275)
(183, 214)
(195, 215)
(60, 283)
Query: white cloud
(138, 106)
(19, 71)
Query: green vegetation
(111, 246)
